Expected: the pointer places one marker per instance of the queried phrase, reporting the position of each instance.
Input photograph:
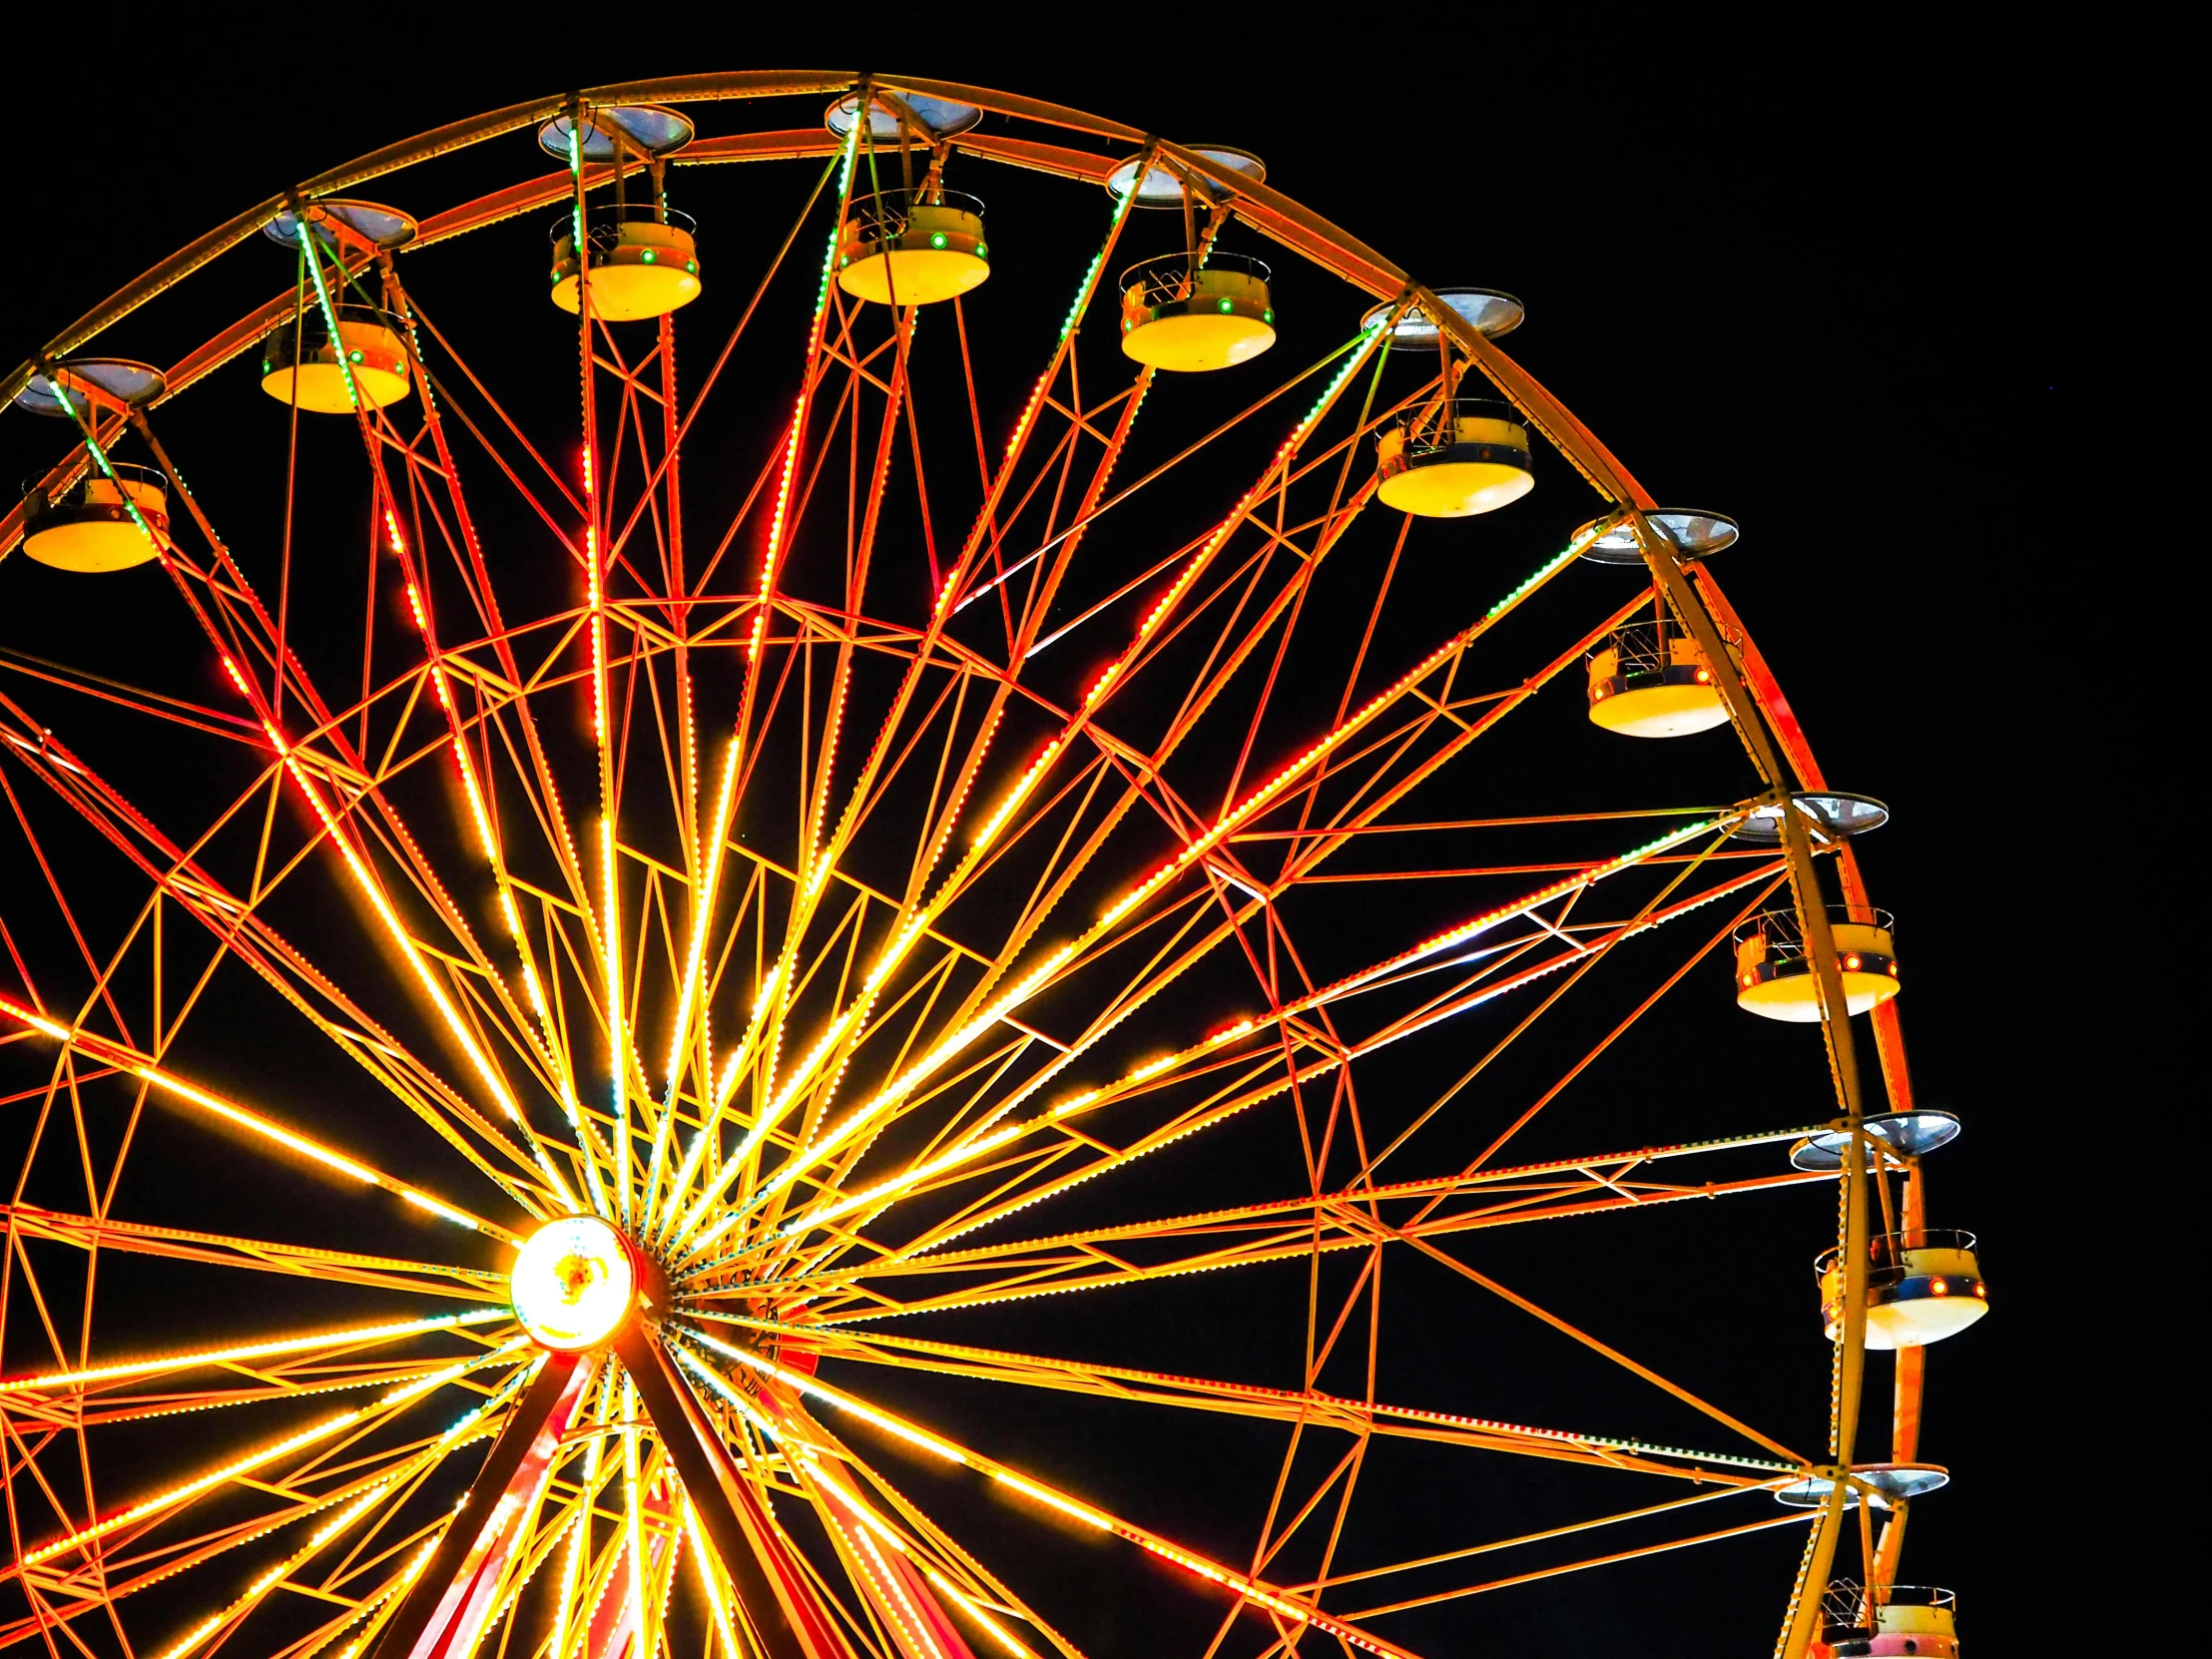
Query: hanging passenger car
(1922, 1286)
(1897, 1620)
(912, 247)
(1454, 460)
(643, 262)
(1651, 681)
(1774, 971)
(639, 259)
(102, 523)
(1190, 317)
(300, 350)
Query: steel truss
(802, 927)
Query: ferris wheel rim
(631, 89)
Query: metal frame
(714, 1413)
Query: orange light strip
(279, 1574)
(709, 1576)
(818, 1390)
(547, 1039)
(694, 959)
(372, 889)
(192, 1488)
(187, 1491)
(1092, 1099)
(1255, 1592)
(360, 1334)
(901, 1087)
(126, 1059)
(967, 1604)
(617, 1040)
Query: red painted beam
(778, 1598)
(443, 1613)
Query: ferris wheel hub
(578, 1281)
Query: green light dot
(354, 356)
(937, 240)
(1226, 305)
(692, 265)
(649, 256)
(1267, 317)
(981, 252)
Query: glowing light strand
(356, 1335)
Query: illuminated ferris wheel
(1019, 783)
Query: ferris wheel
(588, 973)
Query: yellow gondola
(1455, 463)
(96, 527)
(1190, 321)
(898, 249)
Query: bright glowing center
(573, 1283)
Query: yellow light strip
(126, 1059)
(709, 1576)
(901, 1087)
(373, 891)
(249, 1350)
(275, 1575)
(1044, 1495)
(835, 1397)
(905, 1180)
(1247, 1588)
(618, 1041)
(967, 1606)
(1091, 1099)
(703, 906)
(192, 1488)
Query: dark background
(1823, 280)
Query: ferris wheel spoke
(1252, 1591)
(61, 1600)
(42, 1386)
(952, 883)
(178, 875)
(125, 1059)
(1098, 506)
(316, 786)
(543, 1053)
(1792, 1519)
(1758, 896)
(948, 1577)
(387, 1273)
(1219, 1109)
(48, 1565)
(1042, 1268)
(283, 1382)
(139, 700)
(893, 1093)
(1605, 1351)
(819, 860)
(1313, 1407)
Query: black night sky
(1807, 275)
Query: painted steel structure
(810, 1097)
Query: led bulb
(573, 1284)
